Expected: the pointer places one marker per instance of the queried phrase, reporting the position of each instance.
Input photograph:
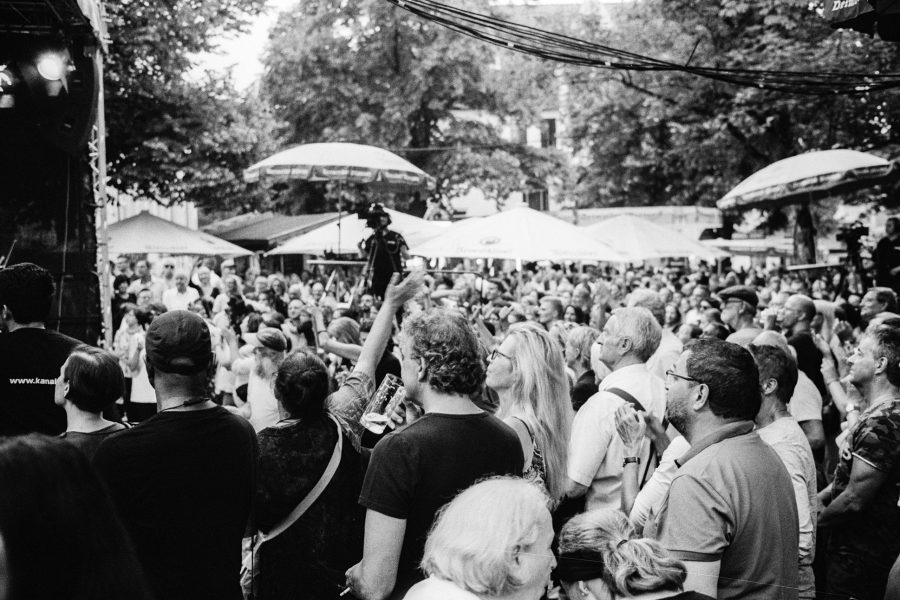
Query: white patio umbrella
(517, 234)
(350, 231)
(641, 240)
(341, 162)
(144, 233)
(808, 177)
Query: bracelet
(631, 459)
(321, 331)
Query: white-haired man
(596, 453)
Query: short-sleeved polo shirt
(732, 501)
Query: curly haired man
(416, 470)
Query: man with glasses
(730, 515)
(596, 452)
(739, 303)
(861, 504)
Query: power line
(566, 49)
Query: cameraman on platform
(385, 250)
(887, 256)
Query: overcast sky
(242, 54)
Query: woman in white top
(491, 541)
(142, 405)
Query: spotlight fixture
(51, 66)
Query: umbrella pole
(340, 190)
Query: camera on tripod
(375, 216)
(852, 235)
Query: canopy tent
(265, 233)
(517, 234)
(808, 177)
(147, 233)
(640, 240)
(344, 235)
(350, 163)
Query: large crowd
(569, 431)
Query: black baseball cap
(744, 293)
(178, 341)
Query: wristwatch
(631, 459)
(851, 407)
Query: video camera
(373, 215)
(852, 234)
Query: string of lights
(566, 49)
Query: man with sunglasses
(739, 304)
(861, 504)
(730, 514)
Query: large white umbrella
(340, 162)
(145, 233)
(808, 177)
(348, 232)
(517, 234)
(641, 240)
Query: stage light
(51, 66)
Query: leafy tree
(365, 71)
(170, 136)
(654, 138)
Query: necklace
(193, 401)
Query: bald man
(795, 319)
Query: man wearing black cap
(30, 354)
(385, 250)
(739, 303)
(183, 480)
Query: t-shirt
(809, 359)
(438, 589)
(732, 501)
(806, 402)
(744, 337)
(89, 442)
(413, 472)
(174, 300)
(788, 440)
(30, 359)
(875, 440)
(263, 404)
(183, 483)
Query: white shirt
(596, 452)
(263, 405)
(788, 440)
(177, 301)
(666, 355)
(438, 589)
(806, 403)
(649, 500)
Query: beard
(264, 368)
(677, 416)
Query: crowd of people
(566, 432)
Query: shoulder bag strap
(638, 406)
(314, 493)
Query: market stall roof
(271, 229)
(641, 240)
(518, 234)
(40, 17)
(808, 177)
(146, 233)
(342, 236)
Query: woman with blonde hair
(528, 372)
(601, 558)
(491, 541)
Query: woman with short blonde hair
(601, 558)
(491, 541)
(528, 372)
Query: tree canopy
(671, 138)
(172, 136)
(368, 72)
